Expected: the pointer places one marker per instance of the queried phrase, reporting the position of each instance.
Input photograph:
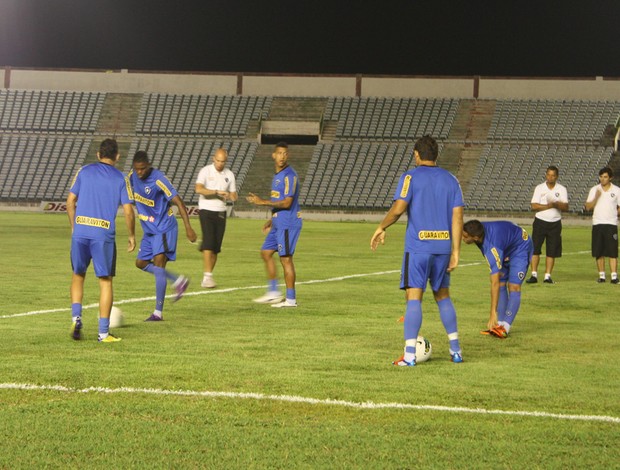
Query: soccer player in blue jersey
(282, 230)
(100, 189)
(508, 249)
(433, 201)
(153, 195)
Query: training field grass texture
(224, 382)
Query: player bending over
(508, 249)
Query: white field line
(311, 401)
(231, 289)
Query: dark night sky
(409, 37)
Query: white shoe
(208, 283)
(284, 303)
(270, 298)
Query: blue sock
(413, 319)
(502, 303)
(273, 285)
(514, 302)
(290, 294)
(104, 326)
(76, 311)
(447, 313)
(161, 282)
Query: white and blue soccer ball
(423, 350)
(116, 318)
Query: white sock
(547, 276)
(208, 274)
(157, 313)
(614, 275)
(601, 274)
(534, 274)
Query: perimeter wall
(127, 81)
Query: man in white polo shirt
(216, 185)
(604, 199)
(549, 200)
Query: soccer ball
(423, 349)
(116, 318)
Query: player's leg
(415, 271)
(598, 250)
(273, 294)
(440, 283)
(538, 238)
(287, 242)
(612, 252)
(554, 249)
(213, 226)
(80, 259)
(104, 263)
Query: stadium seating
(50, 111)
(211, 115)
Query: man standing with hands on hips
(215, 186)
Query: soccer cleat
(548, 281)
(499, 332)
(284, 304)
(154, 317)
(401, 319)
(180, 285)
(486, 332)
(615, 281)
(76, 330)
(601, 280)
(109, 339)
(270, 298)
(401, 362)
(457, 358)
(532, 280)
(208, 283)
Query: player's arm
(399, 206)
(540, 207)
(457, 235)
(189, 231)
(285, 203)
(494, 300)
(592, 200)
(130, 221)
(71, 205)
(209, 193)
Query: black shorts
(213, 226)
(605, 241)
(550, 231)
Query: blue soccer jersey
(503, 242)
(100, 189)
(431, 194)
(285, 184)
(152, 196)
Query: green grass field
(227, 383)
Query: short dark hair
(108, 149)
(554, 168)
(141, 157)
(427, 148)
(474, 228)
(607, 170)
(282, 144)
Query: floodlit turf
(336, 347)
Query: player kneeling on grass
(153, 195)
(508, 249)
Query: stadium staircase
(467, 138)
(117, 120)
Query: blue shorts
(282, 240)
(420, 268)
(102, 252)
(155, 244)
(514, 269)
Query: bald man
(215, 186)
